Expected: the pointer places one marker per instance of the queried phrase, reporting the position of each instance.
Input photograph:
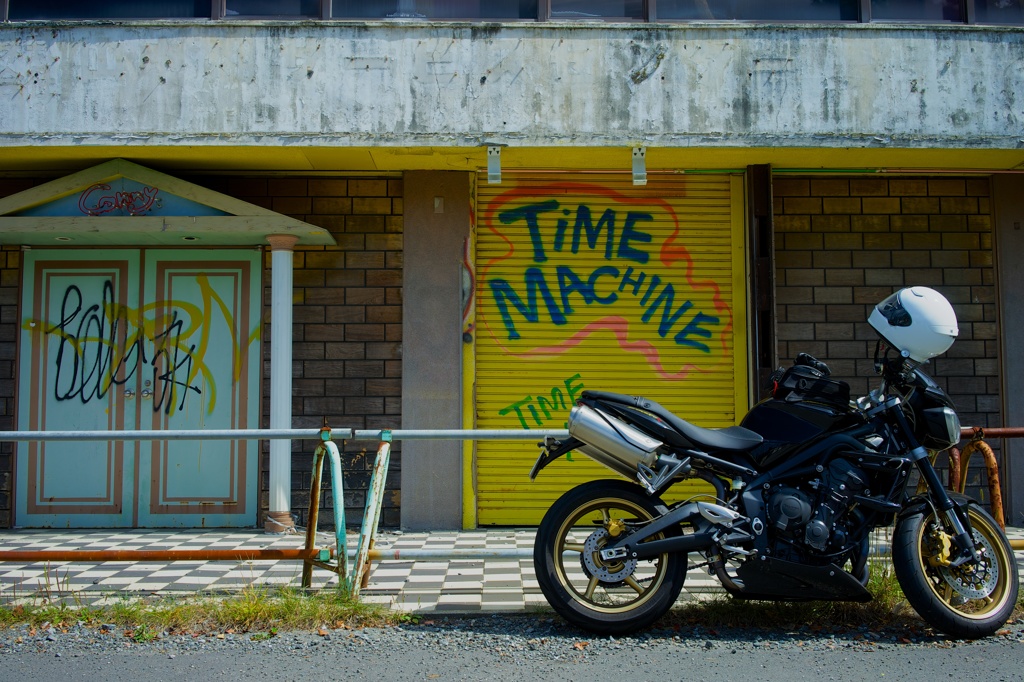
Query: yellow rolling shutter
(590, 282)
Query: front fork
(944, 505)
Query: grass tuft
(264, 611)
(254, 609)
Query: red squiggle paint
(134, 203)
(619, 326)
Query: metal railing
(959, 461)
(334, 559)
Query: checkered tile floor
(408, 585)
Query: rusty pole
(959, 461)
(101, 555)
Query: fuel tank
(785, 425)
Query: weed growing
(256, 609)
(264, 611)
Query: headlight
(941, 428)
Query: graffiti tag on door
(102, 345)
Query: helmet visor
(893, 311)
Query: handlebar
(812, 362)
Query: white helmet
(917, 321)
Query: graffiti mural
(598, 285)
(156, 339)
(96, 200)
(538, 412)
(102, 345)
(602, 262)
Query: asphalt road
(505, 647)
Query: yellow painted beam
(15, 160)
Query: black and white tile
(465, 584)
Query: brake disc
(974, 579)
(614, 572)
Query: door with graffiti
(139, 339)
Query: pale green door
(76, 364)
(155, 339)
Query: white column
(279, 518)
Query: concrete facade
(424, 85)
(1009, 245)
(437, 227)
(361, 127)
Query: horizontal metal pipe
(284, 434)
(101, 555)
(143, 555)
(193, 434)
(360, 434)
(449, 554)
(995, 432)
(460, 434)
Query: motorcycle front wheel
(605, 597)
(971, 600)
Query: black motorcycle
(799, 487)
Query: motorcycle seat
(736, 438)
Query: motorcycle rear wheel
(970, 601)
(607, 598)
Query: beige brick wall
(843, 244)
(347, 327)
(10, 286)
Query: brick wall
(347, 328)
(10, 287)
(843, 244)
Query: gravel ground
(484, 647)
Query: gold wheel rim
(630, 593)
(976, 609)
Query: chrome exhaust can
(612, 442)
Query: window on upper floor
(630, 10)
(757, 10)
(910, 11)
(999, 11)
(434, 9)
(27, 10)
(271, 8)
(919, 11)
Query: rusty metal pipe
(960, 461)
(955, 483)
(313, 513)
(992, 470)
(995, 432)
(101, 555)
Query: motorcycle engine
(813, 514)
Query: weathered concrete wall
(435, 235)
(1008, 195)
(331, 84)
